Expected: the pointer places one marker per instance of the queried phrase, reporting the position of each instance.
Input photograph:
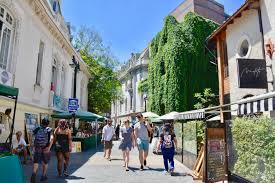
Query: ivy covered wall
(179, 65)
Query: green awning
(82, 115)
(8, 91)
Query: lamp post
(76, 67)
(145, 101)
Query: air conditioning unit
(6, 77)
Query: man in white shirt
(107, 136)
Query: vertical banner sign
(252, 73)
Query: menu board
(216, 167)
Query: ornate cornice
(49, 21)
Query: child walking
(168, 144)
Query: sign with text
(252, 73)
(73, 105)
(216, 159)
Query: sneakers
(144, 162)
(109, 159)
(43, 178)
(66, 174)
(141, 168)
(165, 172)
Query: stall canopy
(82, 115)
(189, 115)
(169, 116)
(150, 115)
(8, 91)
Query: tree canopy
(103, 86)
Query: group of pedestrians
(44, 139)
(139, 136)
(132, 136)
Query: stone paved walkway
(90, 166)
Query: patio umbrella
(150, 115)
(169, 116)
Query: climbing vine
(143, 86)
(179, 65)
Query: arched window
(6, 31)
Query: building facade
(245, 56)
(245, 44)
(132, 101)
(36, 53)
(209, 9)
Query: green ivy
(179, 65)
(143, 86)
(254, 140)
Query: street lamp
(145, 99)
(76, 67)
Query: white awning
(189, 115)
(169, 116)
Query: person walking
(108, 133)
(63, 146)
(127, 142)
(43, 140)
(168, 144)
(142, 139)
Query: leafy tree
(205, 99)
(103, 86)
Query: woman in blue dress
(127, 142)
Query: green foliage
(254, 140)
(205, 99)
(103, 87)
(143, 86)
(179, 65)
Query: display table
(11, 170)
(87, 142)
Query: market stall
(8, 162)
(87, 137)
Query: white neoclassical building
(132, 101)
(35, 56)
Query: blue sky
(126, 25)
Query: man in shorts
(141, 129)
(43, 140)
(108, 133)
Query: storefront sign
(252, 73)
(216, 161)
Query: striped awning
(257, 104)
(190, 115)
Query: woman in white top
(21, 147)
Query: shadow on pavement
(77, 160)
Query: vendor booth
(86, 135)
(9, 163)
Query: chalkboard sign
(252, 73)
(216, 162)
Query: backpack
(42, 137)
(167, 141)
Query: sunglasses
(138, 116)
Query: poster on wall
(252, 73)
(31, 122)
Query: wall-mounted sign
(252, 73)
(73, 104)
